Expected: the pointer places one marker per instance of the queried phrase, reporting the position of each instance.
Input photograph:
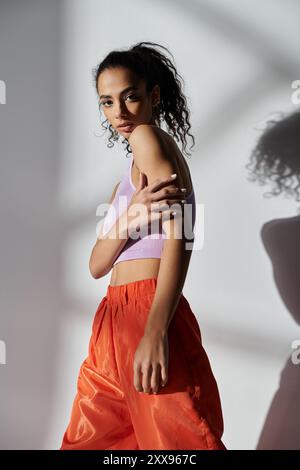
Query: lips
(126, 127)
(125, 123)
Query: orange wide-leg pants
(109, 413)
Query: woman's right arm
(108, 246)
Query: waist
(125, 292)
(133, 270)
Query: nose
(121, 110)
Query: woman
(147, 381)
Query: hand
(151, 362)
(156, 200)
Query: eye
(103, 103)
(130, 96)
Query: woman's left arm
(170, 281)
(151, 358)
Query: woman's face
(123, 98)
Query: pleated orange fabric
(108, 412)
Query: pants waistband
(124, 292)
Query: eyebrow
(122, 92)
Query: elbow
(97, 271)
(95, 274)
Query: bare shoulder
(144, 133)
(163, 147)
(148, 133)
(154, 139)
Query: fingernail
(173, 176)
(173, 212)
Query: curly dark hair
(275, 158)
(155, 69)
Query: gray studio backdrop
(238, 60)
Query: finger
(164, 374)
(157, 207)
(147, 370)
(173, 195)
(160, 183)
(175, 205)
(158, 217)
(167, 204)
(155, 378)
(137, 377)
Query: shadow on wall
(32, 229)
(276, 160)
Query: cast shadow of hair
(276, 159)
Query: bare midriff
(145, 268)
(134, 270)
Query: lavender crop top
(149, 246)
